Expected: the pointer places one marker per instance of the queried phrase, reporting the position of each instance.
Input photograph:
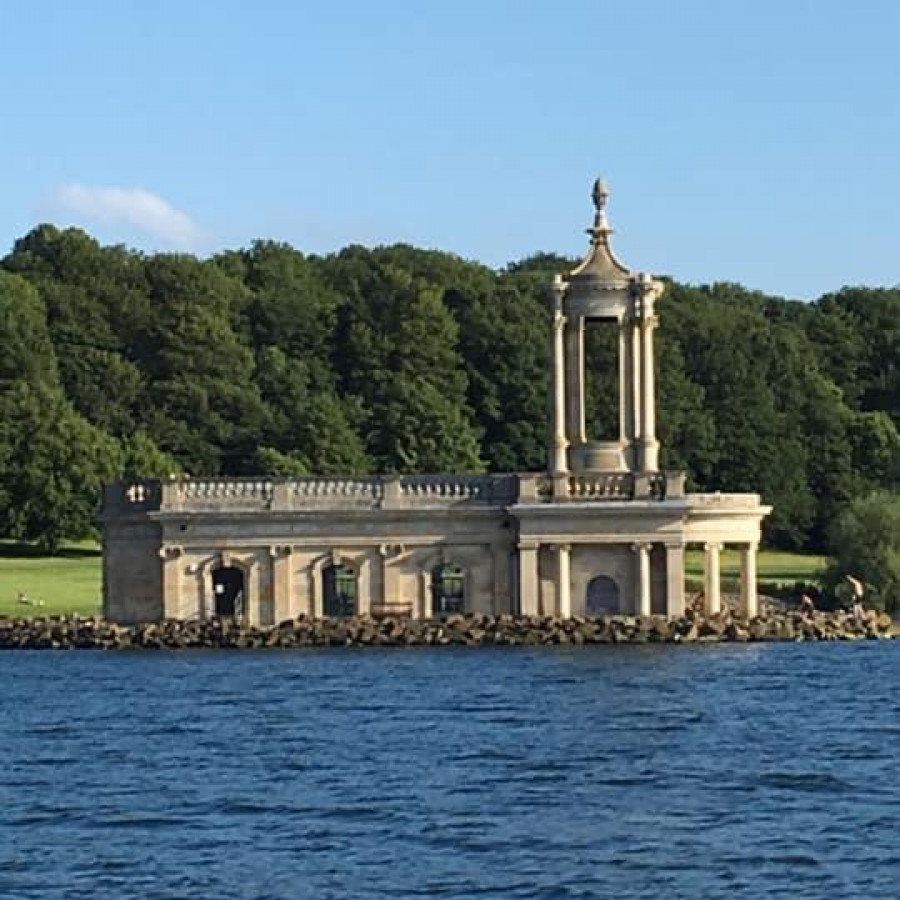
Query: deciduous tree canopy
(268, 361)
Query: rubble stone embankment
(470, 630)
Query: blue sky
(752, 142)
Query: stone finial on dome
(601, 264)
(600, 195)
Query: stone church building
(601, 531)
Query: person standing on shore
(858, 593)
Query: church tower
(603, 291)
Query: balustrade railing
(403, 491)
(601, 487)
(325, 490)
(250, 491)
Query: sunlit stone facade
(601, 531)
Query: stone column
(749, 604)
(644, 604)
(575, 421)
(713, 579)
(648, 322)
(629, 399)
(564, 580)
(634, 386)
(557, 463)
(674, 580)
(528, 579)
(582, 411)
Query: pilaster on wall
(171, 561)
(282, 582)
(528, 579)
(502, 600)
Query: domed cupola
(603, 290)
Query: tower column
(648, 323)
(713, 579)
(558, 443)
(749, 600)
(644, 604)
(564, 580)
(573, 340)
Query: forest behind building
(267, 361)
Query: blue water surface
(755, 771)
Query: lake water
(755, 771)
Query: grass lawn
(772, 566)
(66, 583)
(70, 581)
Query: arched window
(340, 591)
(602, 596)
(448, 586)
(228, 592)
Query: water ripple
(632, 772)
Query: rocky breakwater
(456, 630)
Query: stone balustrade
(225, 492)
(401, 491)
(601, 487)
(333, 491)
(490, 489)
(256, 494)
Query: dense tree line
(269, 361)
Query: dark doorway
(602, 597)
(228, 590)
(448, 586)
(340, 591)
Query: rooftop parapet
(209, 495)
(299, 494)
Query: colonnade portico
(712, 578)
(639, 596)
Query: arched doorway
(602, 596)
(340, 591)
(228, 592)
(448, 590)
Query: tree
(53, 465)
(396, 354)
(865, 543)
(288, 319)
(202, 404)
(93, 296)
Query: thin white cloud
(132, 207)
